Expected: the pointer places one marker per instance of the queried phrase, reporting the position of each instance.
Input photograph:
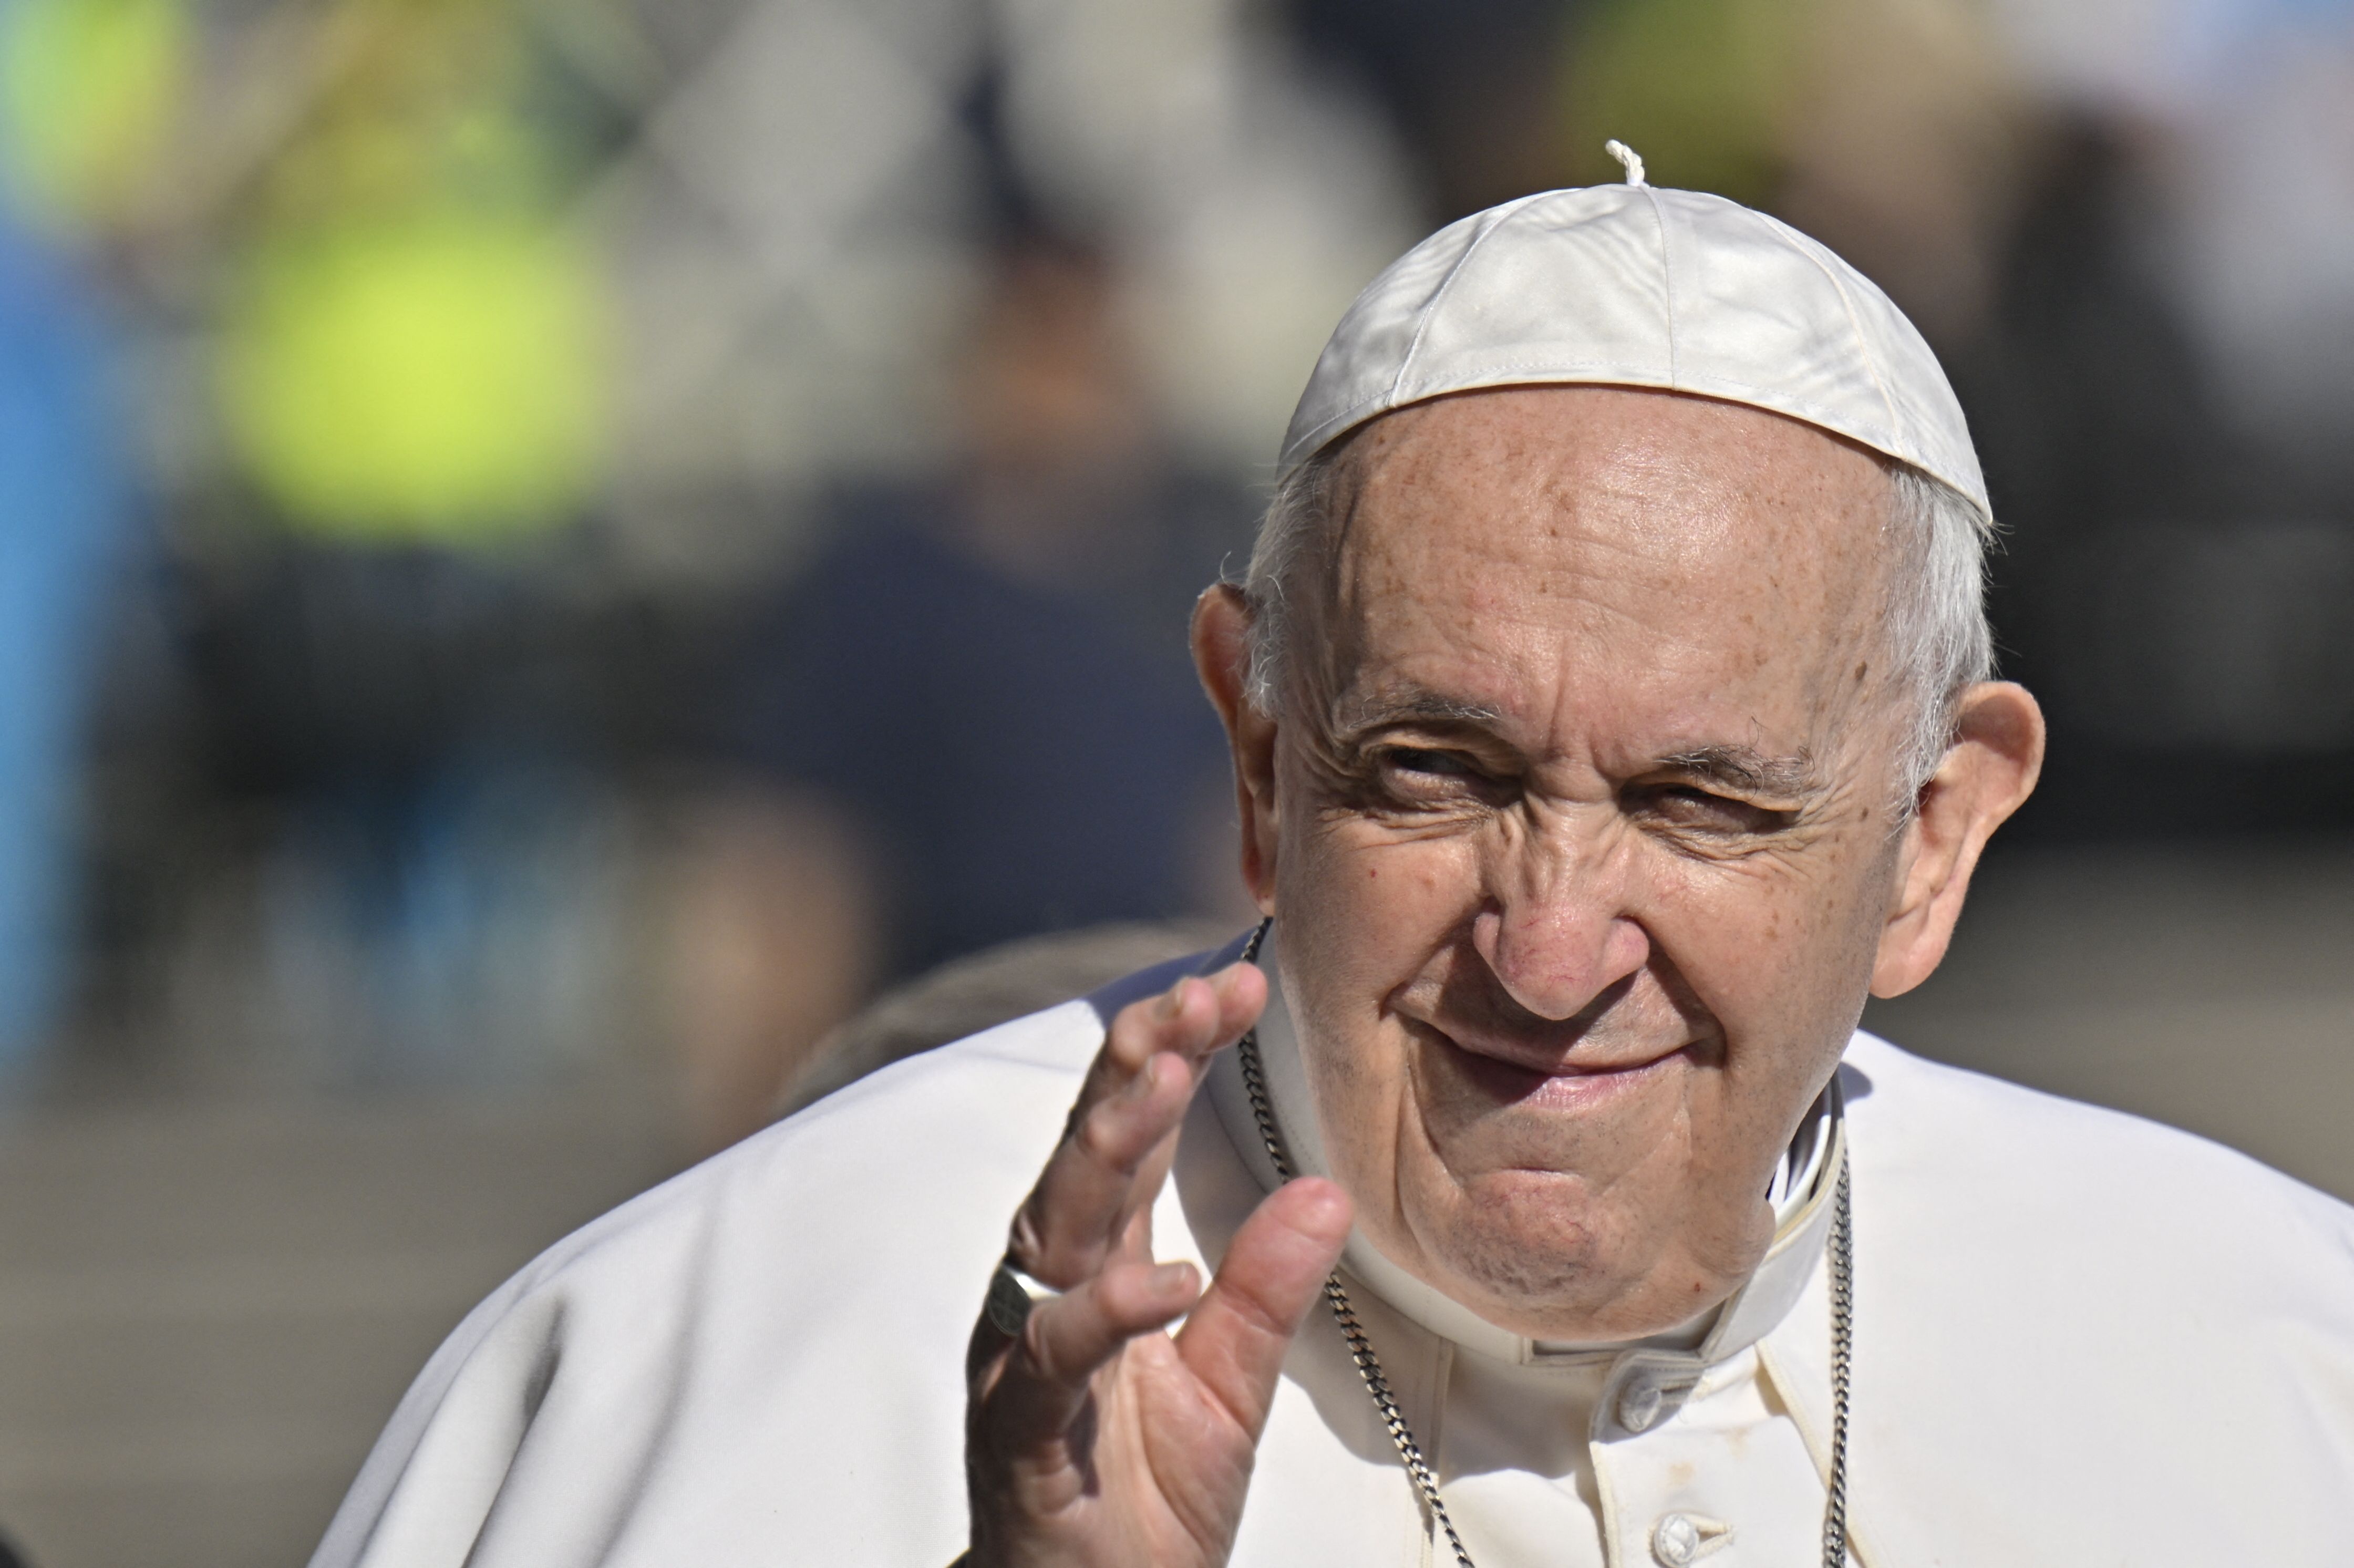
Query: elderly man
(1610, 709)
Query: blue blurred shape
(63, 498)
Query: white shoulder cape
(2081, 1339)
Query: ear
(1988, 772)
(1222, 657)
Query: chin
(1532, 1245)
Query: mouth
(1565, 1086)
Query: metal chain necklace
(1377, 1383)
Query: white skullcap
(1630, 286)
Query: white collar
(1802, 1191)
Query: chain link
(1842, 1264)
(1336, 1296)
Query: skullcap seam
(1789, 238)
(1439, 295)
(1666, 280)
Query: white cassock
(2080, 1340)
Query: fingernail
(1170, 1277)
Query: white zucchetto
(1632, 286)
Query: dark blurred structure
(971, 671)
(963, 718)
(2178, 600)
(402, 765)
(980, 668)
(1474, 88)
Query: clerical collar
(1801, 1193)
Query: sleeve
(430, 1482)
(527, 1440)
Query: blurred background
(552, 550)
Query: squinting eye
(1698, 808)
(1421, 760)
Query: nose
(1555, 931)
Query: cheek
(1778, 953)
(1362, 915)
(1376, 905)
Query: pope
(1610, 701)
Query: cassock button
(1679, 1539)
(1675, 1540)
(1638, 1408)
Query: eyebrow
(1413, 704)
(1740, 767)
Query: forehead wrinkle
(1630, 538)
(1364, 697)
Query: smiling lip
(1565, 1085)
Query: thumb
(1235, 1337)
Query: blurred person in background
(372, 739)
(967, 670)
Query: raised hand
(1094, 1438)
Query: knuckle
(1122, 1059)
(1104, 1076)
(1129, 1031)
(1147, 1015)
(1098, 1137)
(1035, 1345)
(1254, 1316)
(1024, 1242)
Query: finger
(1044, 1381)
(1070, 1222)
(1239, 992)
(1105, 1170)
(1174, 1020)
(1274, 1270)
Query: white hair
(1934, 616)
